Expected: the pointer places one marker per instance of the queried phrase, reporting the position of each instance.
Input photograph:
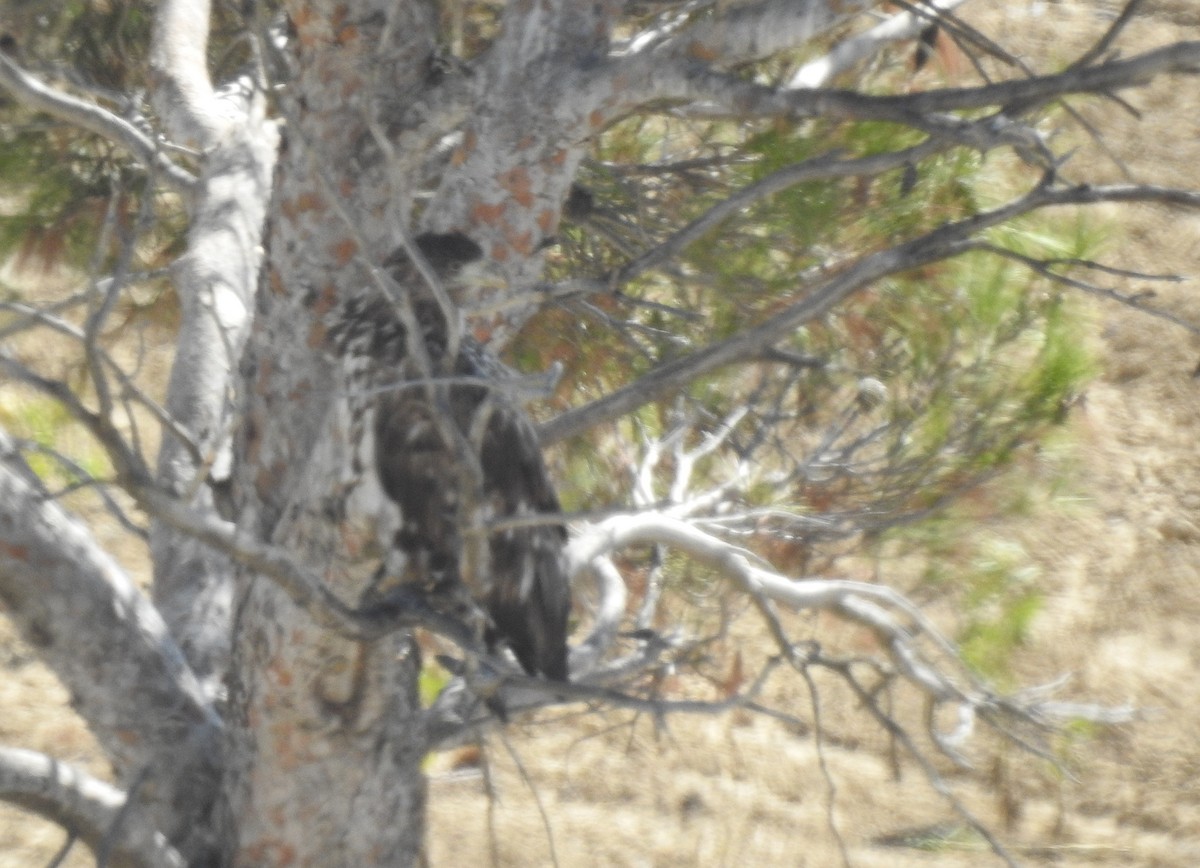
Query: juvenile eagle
(426, 424)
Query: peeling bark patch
(302, 20)
(522, 243)
(516, 181)
(266, 481)
(483, 213)
(269, 852)
(292, 747)
(302, 204)
(343, 251)
(337, 20)
(316, 335)
(280, 672)
(325, 301)
(351, 85)
(262, 384)
(482, 332)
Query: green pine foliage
(978, 356)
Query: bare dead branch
(1134, 301)
(730, 96)
(932, 776)
(32, 316)
(944, 242)
(16, 446)
(85, 806)
(610, 611)
(93, 118)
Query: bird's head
(457, 260)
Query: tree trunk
(325, 734)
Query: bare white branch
(609, 612)
(215, 281)
(183, 93)
(903, 25)
(86, 806)
(753, 31)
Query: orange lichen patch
(558, 157)
(280, 672)
(465, 149)
(347, 34)
(275, 281)
(596, 119)
(343, 251)
(338, 18)
(300, 204)
(265, 370)
(521, 242)
(17, 553)
(351, 84)
(482, 332)
(700, 51)
(269, 851)
(316, 335)
(308, 202)
(546, 220)
(525, 143)
(482, 212)
(302, 19)
(499, 252)
(326, 299)
(517, 182)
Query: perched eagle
(448, 438)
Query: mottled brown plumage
(521, 584)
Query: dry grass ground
(1118, 561)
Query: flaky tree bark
(165, 744)
(303, 700)
(363, 112)
(215, 281)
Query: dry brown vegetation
(1117, 550)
